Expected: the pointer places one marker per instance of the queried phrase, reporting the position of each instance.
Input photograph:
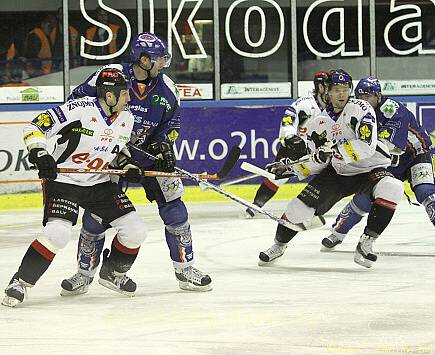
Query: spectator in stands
(11, 66)
(99, 34)
(56, 41)
(37, 48)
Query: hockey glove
(323, 154)
(280, 169)
(134, 172)
(47, 167)
(294, 147)
(165, 156)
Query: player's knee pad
(298, 212)
(131, 230)
(361, 204)
(173, 213)
(389, 189)
(56, 235)
(429, 205)
(91, 224)
(179, 240)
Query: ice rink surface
(306, 303)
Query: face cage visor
(164, 61)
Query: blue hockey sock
(179, 240)
(351, 215)
(89, 250)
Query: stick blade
(232, 158)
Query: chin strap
(111, 107)
(147, 70)
(323, 99)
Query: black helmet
(320, 78)
(110, 80)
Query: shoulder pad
(171, 86)
(362, 104)
(304, 103)
(80, 102)
(389, 108)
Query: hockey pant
(328, 188)
(61, 202)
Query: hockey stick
(237, 180)
(123, 172)
(296, 227)
(257, 171)
(230, 161)
(316, 221)
(261, 172)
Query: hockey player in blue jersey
(409, 145)
(156, 107)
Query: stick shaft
(122, 172)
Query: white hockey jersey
(354, 132)
(299, 120)
(87, 137)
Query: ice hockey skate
(114, 280)
(274, 252)
(15, 292)
(191, 279)
(364, 254)
(330, 242)
(78, 284)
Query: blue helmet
(149, 44)
(369, 85)
(339, 77)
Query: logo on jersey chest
(81, 130)
(107, 136)
(336, 130)
(162, 101)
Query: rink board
(206, 136)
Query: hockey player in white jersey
(295, 137)
(93, 133)
(351, 161)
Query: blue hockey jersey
(155, 106)
(398, 125)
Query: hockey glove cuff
(47, 167)
(165, 155)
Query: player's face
(124, 98)
(338, 96)
(154, 68)
(370, 98)
(159, 64)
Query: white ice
(306, 303)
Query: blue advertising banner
(207, 134)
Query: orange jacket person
(37, 48)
